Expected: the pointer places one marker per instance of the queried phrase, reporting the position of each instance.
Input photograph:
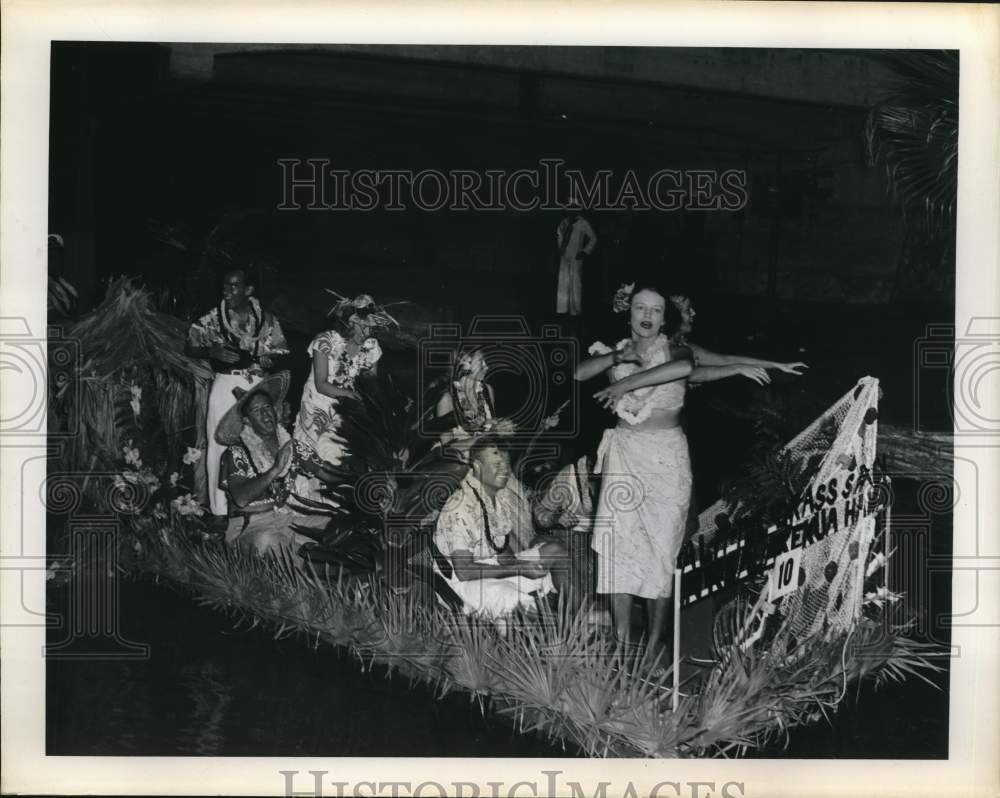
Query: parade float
(792, 560)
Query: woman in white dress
(644, 460)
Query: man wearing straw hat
(241, 341)
(256, 471)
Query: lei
(504, 524)
(249, 339)
(473, 413)
(261, 459)
(636, 405)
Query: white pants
(569, 288)
(220, 399)
(500, 596)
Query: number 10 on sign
(785, 575)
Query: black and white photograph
(546, 402)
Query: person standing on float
(241, 341)
(644, 460)
(576, 241)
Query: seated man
(564, 508)
(255, 471)
(473, 534)
(568, 500)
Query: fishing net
(815, 560)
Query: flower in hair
(623, 298)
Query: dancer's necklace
(645, 350)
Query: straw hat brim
(231, 425)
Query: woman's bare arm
(706, 357)
(712, 373)
(444, 405)
(321, 371)
(667, 372)
(658, 375)
(593, 366)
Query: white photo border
(28, 29)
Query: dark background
(156, 141)
(191, 134)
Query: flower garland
(249, 338)
(636, 405)
(497, 520)
(261, 457)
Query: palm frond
(913, 134)
(547, 671)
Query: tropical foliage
(131, 386)
(551, 673)
(912, 134)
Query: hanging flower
(187, 505)
(192, 455)
(623, 298)
(132, 455)
(173, 479)
(151, 480)
(136, 397)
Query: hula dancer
(644, 461)
(339, 358)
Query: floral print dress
(316, 426)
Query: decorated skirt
(642, 511)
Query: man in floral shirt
(473, 534)
(242, 342)
(256, 472)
